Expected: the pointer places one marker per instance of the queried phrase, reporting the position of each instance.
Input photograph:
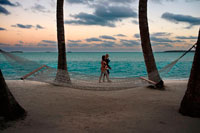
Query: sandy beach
(55, 109)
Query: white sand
(56, 109)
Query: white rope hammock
(44, 73)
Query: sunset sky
(97, 25)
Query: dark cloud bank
(178, 18)
(28, 26)
(3, 10)
(104, 14)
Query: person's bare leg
(100, 77)
(107, 76)
(104, 77)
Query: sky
(97, 25)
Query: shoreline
(63, 109)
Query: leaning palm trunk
(146, 45)
(10, 109)
(62, 73)
(190, 104)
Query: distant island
(178, 51)
(16, 51)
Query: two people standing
(105, 68)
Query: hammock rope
(44, 73)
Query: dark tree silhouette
(190, 104)
(146, 46)
(62, 73)
(10, 109)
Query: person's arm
(109, 67)
(108, 64)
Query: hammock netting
(43, 73)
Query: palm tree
(10, 109)
(62, 73)
(146, 46)
(190, 104)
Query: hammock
(44, 73)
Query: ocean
(123, 64)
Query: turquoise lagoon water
(124, 64)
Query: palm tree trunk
(190, 104)
(146, 45)
(10, 109)
(62, 73)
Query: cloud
(122, 1)
(76, 45)
(107, 37)
(106, 44)
(184, 37)
(27, 47)
(160, 1)
(137, 35)
(21, 42)
(114, 12)
(46, 45)
(94, 1)
(4, 11)
(42, 44)
(52, 3)
(39, 8)
(135, 22)
(89, 19)
(129, 43)
(76, 1)
(178, 18)
(155, 39)
(93, 39)
(192, 0)
(18, 45)
(162, 44)
(102, 44)
(160, 37)
(6, 2)
(120, 35)
(3, 44)
(155, 34)
(74, 41)
(49, 41)
(23, 26)
(39, 27)
(2, 28)
(73, 45)
(84, 45)
(103, 16)
(156, 1)
(28, 26)
(161, 34)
